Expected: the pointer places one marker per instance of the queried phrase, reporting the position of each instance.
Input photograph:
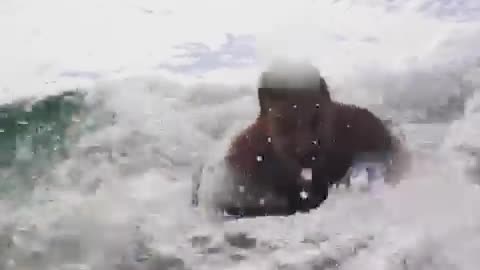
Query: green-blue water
(34, 134)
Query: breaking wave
(99, 177)
(107, 172)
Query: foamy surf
(119, 195)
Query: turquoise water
(35, 134)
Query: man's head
(291, 100)
(291, 79)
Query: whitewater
(108, 107)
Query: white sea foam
(125, 192)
